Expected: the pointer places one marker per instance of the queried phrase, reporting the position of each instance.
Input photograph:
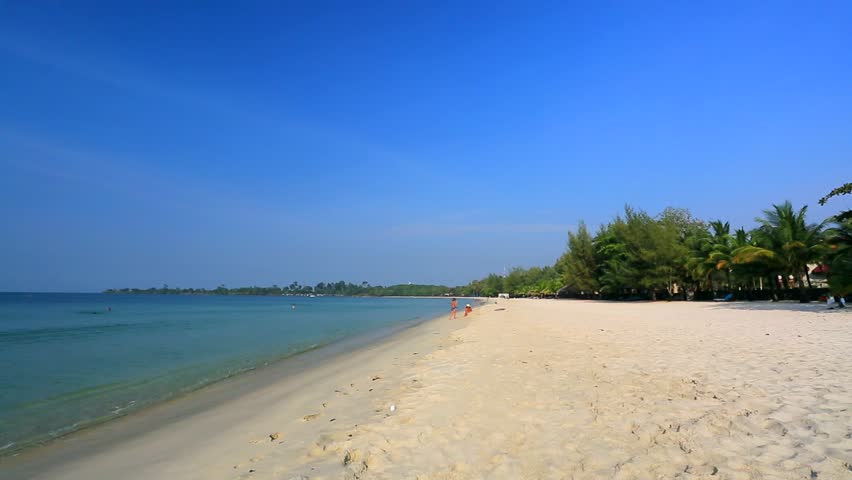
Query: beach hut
(819, 275)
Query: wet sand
(536, 389)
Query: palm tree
(839, 240)
(785, 243)
(699, 265)
(741, 239)
(713, 253)
(721, 249)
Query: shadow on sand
(813, 307)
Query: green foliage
(518, 282)
(839, 257)
(643, 252)
(613, 273)
(644, 255)
(339, 289)
(844, 189)
(784, 242)
(639, 254)
(578, 265)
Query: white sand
(541, 389)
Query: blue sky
(265, 142)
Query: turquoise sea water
(70, 360)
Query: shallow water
(70, 360)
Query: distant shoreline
(213, 294)
(322, 289)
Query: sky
(254, 143)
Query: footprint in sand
(308, 418)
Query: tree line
(340, 288)
(639, 255)
(673, 254)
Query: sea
(69, 361)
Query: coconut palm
(746, 273)
(721, 249)
(839, 257)
(713, 252)
(699, 265)
(785, 242)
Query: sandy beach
(523, 389)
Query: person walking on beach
(454, 304)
